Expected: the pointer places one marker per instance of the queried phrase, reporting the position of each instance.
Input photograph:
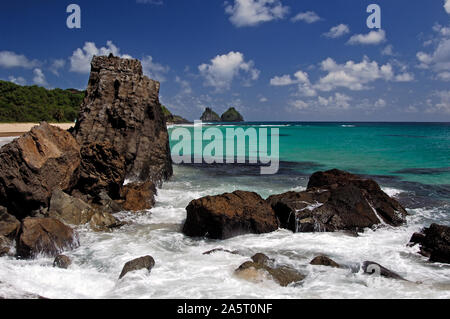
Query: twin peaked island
(231, 115)
(52, 181)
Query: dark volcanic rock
(372, 268)
(337, 200)
(324, 261)
(62, 261)
(262, 267)
(231, 115)
(9, 225)
(434, 243)
(229, 215)
(35, 164)
(69, 209)
(146, 262)
(102, 169)
(138, 196)
(210, 116)
(48, 236)
(122, 107)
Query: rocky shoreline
(52, 181)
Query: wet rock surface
(62, 261)
(122, 107)
(262, 267)
(35, 164)
(373, 268)
(47, 236)
(138, 196)
(324, 261)
(434, 243)
(69, 209)
(146, 262)
(337, 200)
(5, 245)
(228, 215)
(104, 222)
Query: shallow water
(182, 271)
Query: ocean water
(410, 161)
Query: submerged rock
(337, 200)
(324, 261)
(138, 196)
(262, 267)
(69, 209)
(372, 268)
(46, 236)
(434, 243)
(216, 250)
(228, 215)
(232, 115)
(122, 107)
(103, 221)
(62, 261)
(146, 262)
(34, 165)
(9, 225)
(210, 116)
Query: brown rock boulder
(68, 209)
(337, 200)
(228, 215)
(138, 196)
(262, 267)
(46, 236)
(102, 169)
(122, 107)
(9, 225)
(146, 262)
(434, 243)
(5, 246)
(62, 261)
(324, 261)
(35, 164)
(103, 222)
(387, 208)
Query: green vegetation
(35, 104)
(171, 118)
(232, 116)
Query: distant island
(231, 115)
(171, 118)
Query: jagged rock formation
(434, 243)
(210, 116)
(228, 215)
(337, 200)
(232, 115)
(9, 225)
(122, 107)
(32, 166)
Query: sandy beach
(17, 129)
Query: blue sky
(274, 60)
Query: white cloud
(224, 68)
(56, 65)
(447, 6)
(308, 17)
(371, 38)
(154, 70)
(185, 85)
(337, 31)
(380, 103)
(263, 99)
(301, 78)
(352, 75)
(443, 103)
(388, 50)
(439, 60)
(39, 77)
(299, 105)
(19, 80)
(253, 12)
(338, 101)
(10, 59)
(404, 77)
(80, 61)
